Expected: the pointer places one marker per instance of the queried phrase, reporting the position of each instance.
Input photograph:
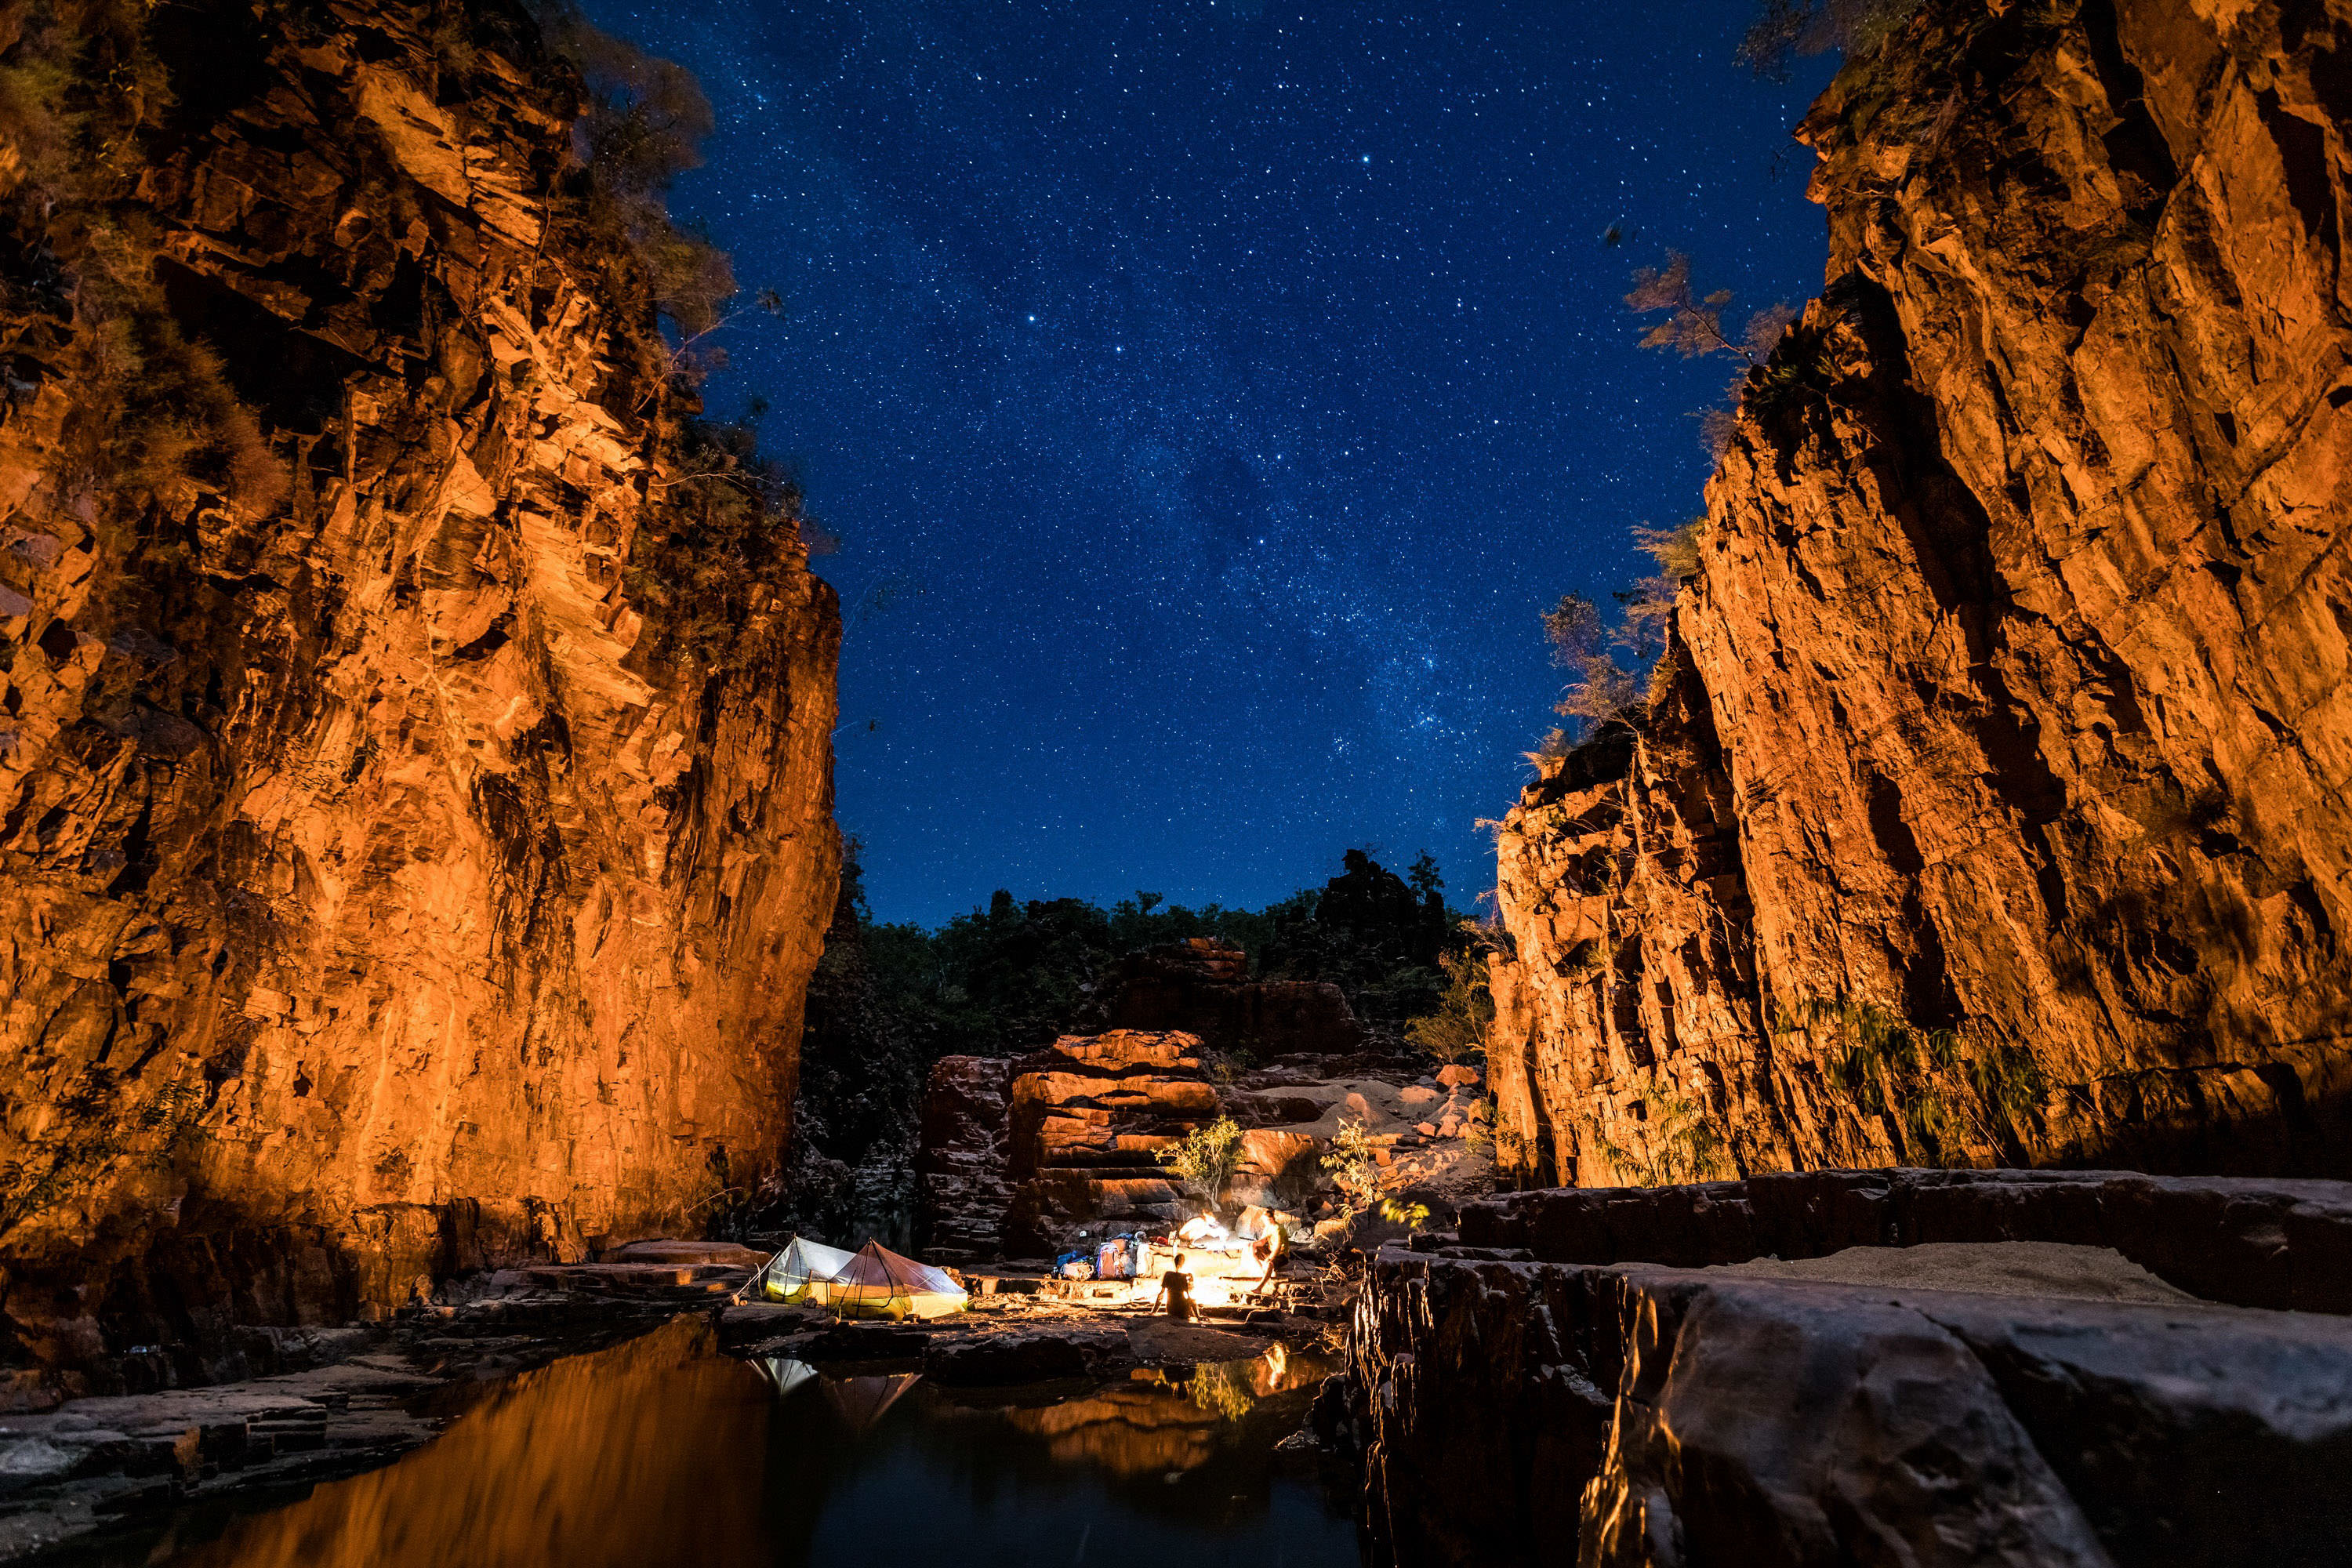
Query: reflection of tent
(803, 1272)
(786, 1373)
(862, 1400)
(879, 1283)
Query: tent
(879, 1283)
(861, 1401)
(801, 1272)
(786, 1373)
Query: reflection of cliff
(1166, 1421)
(1132, 1429)
(649, 1453)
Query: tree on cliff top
(641, 127)
(1596, 652)
(1691, 324)
(1786, 29)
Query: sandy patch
(1156, 1340)
(2046, 1268)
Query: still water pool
(663, 1451)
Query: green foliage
(1786, 29)
(1223, 1389)
(1204, 1157)
(890, 1000)
(92, 1135)
(1573, 628)
(1456, 1031)
(1671, 1139)
(1939, 1095)
(81, 85)
(1692, 324)
(1413, 1216)
(1677, 548)
(1353, 1168)
(643, 126)
(1601, 687)
(723, 528)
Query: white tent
(879, 1283)
(786, 1373)
(803, 1272)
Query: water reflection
(586, 1461)
(663, 1451)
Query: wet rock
(1660, 1416)
(859, 1341)
(752, 1322)
(2245, 1241)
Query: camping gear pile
(872, 1282)
(1211, 1250)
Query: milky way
(1210, 398)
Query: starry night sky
(1210, 397)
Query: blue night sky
(1210, 398)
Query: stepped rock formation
(2010, 694)
(1540, 1393)
(1087, 1116)
(387, 886)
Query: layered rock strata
(386, 886)
(2009, 695)
(1087, 1118)
(1514, 1410)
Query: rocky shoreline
(1985, 1366)
(92, 1468)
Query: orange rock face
(384, 890)
(1088, 1117)
(2009, 696)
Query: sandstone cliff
(414, 800)
(1992, 805)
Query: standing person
(1265, 1249)
(1176, 1290)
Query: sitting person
(1176, 1290)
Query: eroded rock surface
(1521, 1412)
(962, 1190)
(386, 886)
(2010, 692)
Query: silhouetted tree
(1788, 28)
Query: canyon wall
(414, 769)
(1990, 804)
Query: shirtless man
(1176, 1290)
(1266, 1250)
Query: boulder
(1622, 1416)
